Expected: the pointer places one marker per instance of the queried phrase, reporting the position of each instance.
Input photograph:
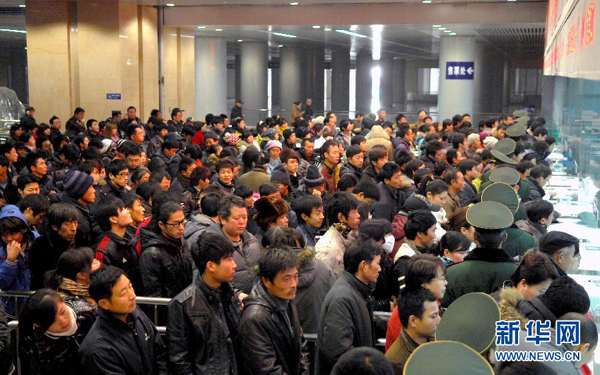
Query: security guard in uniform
(486, 267)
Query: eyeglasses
(178, 224)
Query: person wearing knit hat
(281, 177)
(314, 182)
(273, 148)
(231, 139)
(289, 139)
(80, 193)
(489, 141)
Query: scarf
(70, 332)
(73, 288)
(343, 229)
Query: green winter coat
(483, 270)
(518, 242)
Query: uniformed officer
(486, 267)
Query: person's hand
(241, 297)
(95, 265)
(317, 193)
(13, 250)
(134, 122)
(552, 194)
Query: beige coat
(378, 136)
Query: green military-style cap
(502, 193)
(500, 158)
(520, 113)
(523, 120)
(516, 130)
(489, 215)
(506, 146)
(505, 174)
(471, 320)
(446, 357)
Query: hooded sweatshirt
(15, 275)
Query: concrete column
(340, 80)
(290, 70)
(364, 63)
(211, 75)
(254, 81)
(313, 81)
(398, 95)
(457, 95)
(386, 96)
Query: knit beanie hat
(287, 133)
(272, 144)
(280, 175)
(76, 183)
(313, 177)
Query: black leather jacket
(196, 339)
(166, 268)
(271, 345)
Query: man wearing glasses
(117, 177)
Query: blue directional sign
(460, 69)
(113, 96)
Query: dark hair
(402, 157)
(38, 204)
(490, 238)
(58, 213)
(108, 208)
(419, 221)
(422, 269)
(436, 187)
(451, 175)
(288, 154)
(148, 190)
(225, 163)
(540, 170)
(305, 205)
(368, 188)
(589, 331)
(535, 268)
(412, 167)
(169, 144)
(459, 220)
(362, 249)
(70, 263)
(353, 150)
(451, 155)
(523, 166)
(211, 247)
(327, 145)
(243, 192)
(12, 224)
(229, 202)
(540, 148)
(364, 361)
(275, 260)
(433, 147)
(38, 312)
(412, 303)
(538, 209)
(102, 281)
(389, 170)
(466, 165)
(116, 166)
(138, 173)
(158, 176)
(185, 163)
(453, 241)
(564, 295)
(167, 209)
(130, 198)
(31, 159)
(24, 180)
(357, 140)
(375, 229)
(341, 202)
(346, 182)
(377, 153)
(283, 236)
(268, 188)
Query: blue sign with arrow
(460, 69)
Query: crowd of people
(262, 236)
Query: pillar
(313, 81)
(399, 88)
(457, 95)
(364, 64)
(386, 88)
(340, 80)
(289, 79)
(211, 75)
(253, 80)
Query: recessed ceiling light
(441, 28)
(280, 45)
(452, 34)
(202, 27)
(316, 27)
(447, 31)
(170, 4)
(327, 29)
(353, 27)
(22, 6)
(285, 35)
(426, 1)
(218, 29)
(240, 40)
(512, 0)
(436, 25)
(294, 3)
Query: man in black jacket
(117, 246)
(80, 193)
(117, 175)
(347, 313)
(272, 337)
(390, 187)
(122, 340)
(205, 317)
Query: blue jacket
(15, 276)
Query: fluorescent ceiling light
(280, 45)
(316, 27)
(426, 1)
(327, 29)
(202, 27)
(125, 36)
(294, 3)
(14, 31)
(441, 28)
(240, 40)
(436, 25)
(170, 4)
(22, 6)
(447, 31)
(187, 36)
(351, 33)
(285, 35)
(353, 27)
(218, 29)
(452, 34)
